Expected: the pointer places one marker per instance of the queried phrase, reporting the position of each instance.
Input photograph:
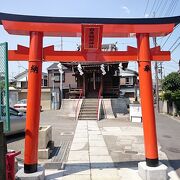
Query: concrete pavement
(89, 157)
(106, 149)
(168, 129)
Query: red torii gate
(91, 31)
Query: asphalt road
(168, 132)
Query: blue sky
(90, 8)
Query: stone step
(86, 106)
(87, 118)
(88, 109)
(87, 112)
(87, 115)
(90, 100)
(94, 104)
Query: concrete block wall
(168, 108)
(45, 98)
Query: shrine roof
(72, 26)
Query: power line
(174, 43)
(166, 40)
(175, 6)
(152, 7)
(174, 61)
(175, 47)
(169, 36)
(170, 68)
(146, 7)
(158, 6)
(171, 6)
(163, 7)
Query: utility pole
(179, 66)
(156, 77)
(157, 80)
(161, 71)
(60, 67)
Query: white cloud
(126, 9)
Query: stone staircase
(88, 109)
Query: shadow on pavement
(74, 168)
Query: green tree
(171, 82)
(171, 87)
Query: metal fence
(4, 86)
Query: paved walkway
(106, 150)
(89, 158)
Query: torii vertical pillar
(33, 102)
(147, 104)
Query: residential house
(68, 78)
(129, 83)
(21, 80)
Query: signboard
(91, 37)
(135, 113)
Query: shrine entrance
(91, 31)
(92, 84)
(92, 81)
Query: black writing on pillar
(91, 37)
(34, 69)
(147, 68)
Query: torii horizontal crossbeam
(49, 54)
(71, 26)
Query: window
(129, 80)
(57, 77)
(45, 82)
